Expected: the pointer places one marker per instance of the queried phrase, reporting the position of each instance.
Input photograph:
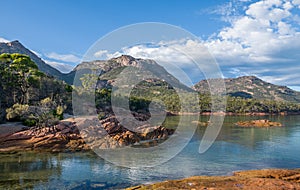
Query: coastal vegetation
(29, 95)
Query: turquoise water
(235, 149)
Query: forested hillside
(25, 90)
(253, 87)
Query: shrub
(30, 122)
(17, 112)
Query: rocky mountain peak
(125, 60)
(249, 78)
(14, 43)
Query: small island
(258, 123)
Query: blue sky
(246, 37)
(66, 26)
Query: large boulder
(109, 133)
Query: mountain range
(253, 87)
(245, 87)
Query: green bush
(30, 122)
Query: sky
(259, 37)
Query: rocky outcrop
(111, 134)
(66, 136)
(57, 138)
(274, 179)
(258, 123)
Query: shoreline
(248, 179)
(65, 136)
(256, 179)
(234, 114)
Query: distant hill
(145, 79)
(17, 47)
(113, 67)
(253, 87)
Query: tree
(18, 73)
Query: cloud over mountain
(3, 40)
(262, 38)
(63, 62)
(264, 33)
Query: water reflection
(26, 170)
(250, 137)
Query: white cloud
(238, 73)
(64, 57)
(229, 11)
(293, 79)
(3, 40)
(163, 51)
(100, 53)
(63, 67)
(260, 35)
(262, 39)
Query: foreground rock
(258, 123)
(66, 136)
(254, 179)
(111, 134)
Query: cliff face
(253, 87)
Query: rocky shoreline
(66, 136)
(82, 134)
(275, 179)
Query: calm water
(235, 149)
